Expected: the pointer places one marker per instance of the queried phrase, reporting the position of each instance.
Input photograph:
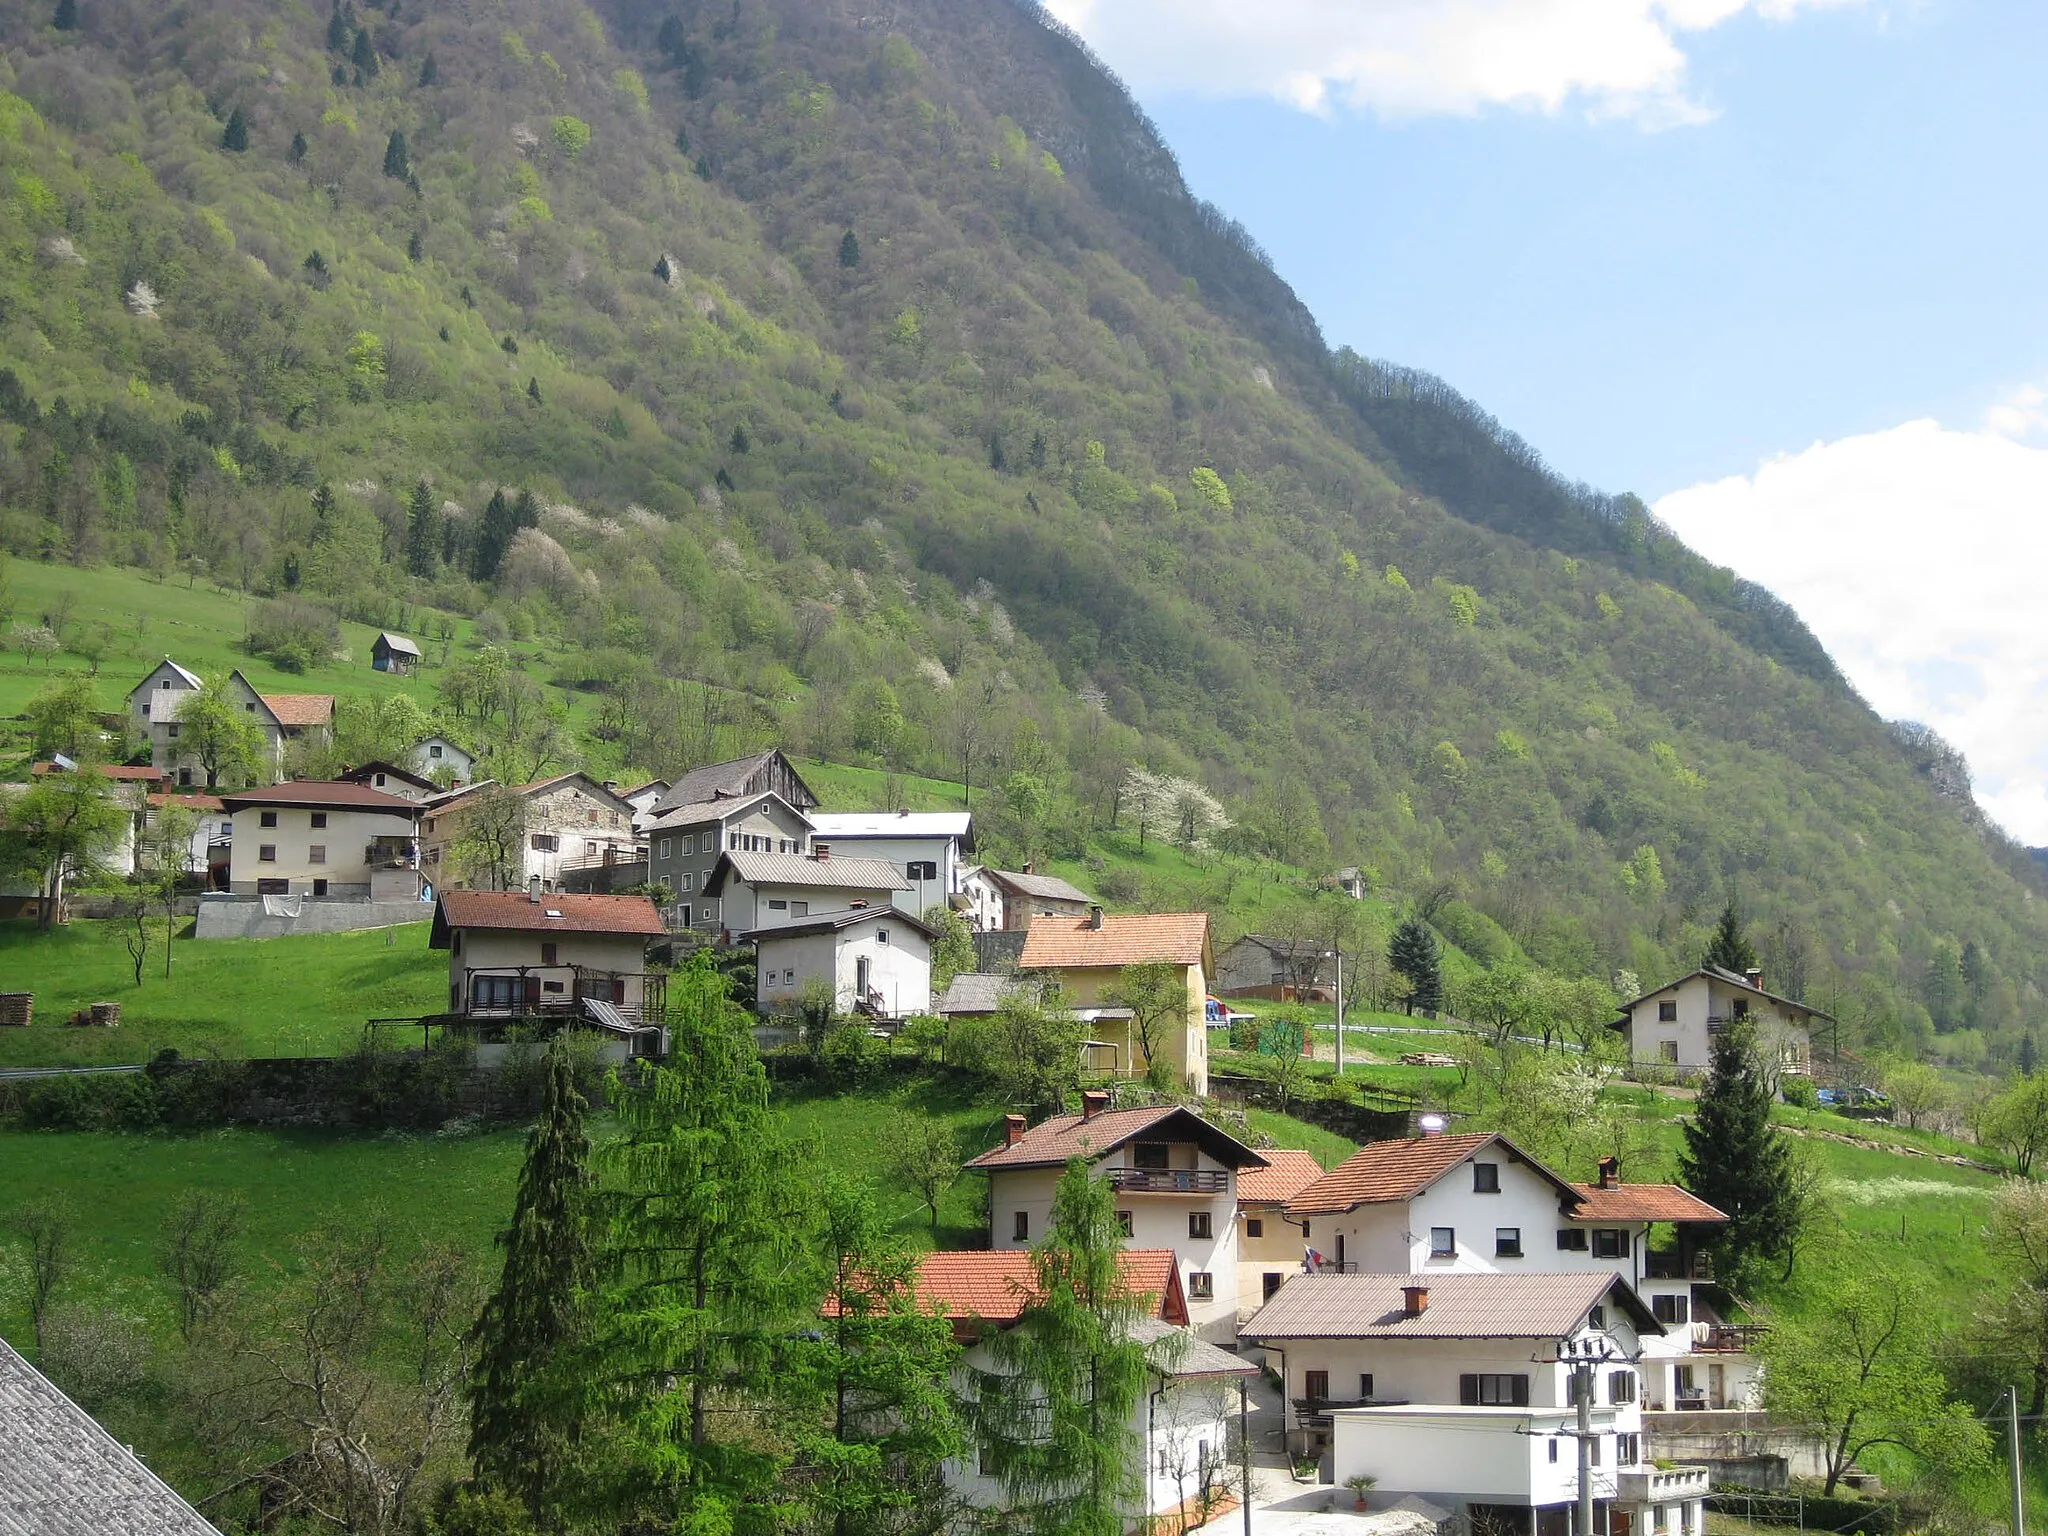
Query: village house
(685, 843)
(1181, 1421)
(441, 760)
(393, 780)
(1001, 900)
(156, 702)
(876, 960)
(759, 889)
(1175, 1176)
(1269, 1248)
(394, 653)
(1674, 1027)
(1278, 969)
(743, 778)
(571, 822)
(535, 954)
(925, 847)
(1459, 1389)
(327, 840)
(644, 798)
(1087, 955)
(213, 831)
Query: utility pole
(1244, 1449)
(1582, 1392)
(2019, 1518)
(1340, 1015)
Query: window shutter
(1468, 1391)
(1521, 1393)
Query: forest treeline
(883, 393)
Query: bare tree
(198, 1255)
(45, 1225)
(489, 848)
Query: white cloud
(1413, 58)
(1916, 554)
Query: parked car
(1218, 1014)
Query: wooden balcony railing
(1168, 1181)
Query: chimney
(1095, 918)
(1013, 1130)
(1027, 869)
(1093, 1102)
(1610, 1172)
(611, 786)
(533, 889)
(1414, 1300)
(904, 812)
(822, 852)
(1755, 978)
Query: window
(1596, 1317)
(273, 887)
(665, 845)
(164, 682)
(732, 841)
(1493, 1391)
(1149, 1154)
(1123, 1222)
(921, 869)
(1553, 1450)
(789, 977)
(666, 883)
(1610, 1243)
(799, 909)
(1198, 1224)
(173, 731)
(689, 846)
(1304, 1232)
(1443, 1242)
(1593, 1445)
(1741, 1008)
(1365, 1385)
(1628, 1450)
(266, 853)
(1621, 1387)
(316, 853)
(266, 819)
(1270, 1284)
(778, 906)
(1507, 1242)
(552, 986)
(1254, 1226)
(689, 881)
(881, 935)
(1201, 1285)
(1571, 1239)
(184, 778)
(319, 820)
(592, 849)
(1667, 1012)
(1667, 1050)
(494, 991)
(547, 954)
(434, 749)
(1315, 1386)
(1486, 1178)
(1020, 1227)
(683, 916)
(319, 887)
(545, 842)
(1671, 1309)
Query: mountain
(879, 387)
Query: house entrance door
(861, 966)
(1717, 1386)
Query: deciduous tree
(1156, 992)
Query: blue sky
(1775, 265)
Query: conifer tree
(1729, 949)
(533, 390)
(1737, 1161)
(236, 135)
(397, 162)
(297, 153)
(493, 537)
(416, 247)
(430, 72)
(1414, 954)
(877, 1377)
(66, 17)
(741, 443)
(706, 1281)
(523, 1423)
(849, 250)
(1053, 1415)
(364, 57)
(337, 30)
(422, 535)
(671, 39)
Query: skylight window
(553, 913)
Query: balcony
(1725, 1338)
(392, 853)
(1668, 1265)
(1654, 1485)
(513, 992)
(1168, 1181)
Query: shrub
(292, 633)
(1800, 1091)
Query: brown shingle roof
(333, 795)
(1054, 943)
(299, 708)
(1641, 1202)
(1386, 1170)
(1286, 1174)
(1483, 1306)
(1050, 1143)
(516, 912)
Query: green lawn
(305, 995)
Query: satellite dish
(63, 762)
(1432, 1123)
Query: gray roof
(1175, 1352)
(668, 817)
(398, 643)
(1471, 1306)
(727, 781)
(831, 824)
(1046, 887)
(1727, 979)
(975, 992)
(839, 922)
(62, 1475)
(186, 674)
(797, 869)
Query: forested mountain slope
(879, 388)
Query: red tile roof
(1286, 1174)
(1053, 943)
(1386, 1170)
(1481, 1306)
(331, 794)
(515, 911)
(197, 802)
(1641, 1202)
(141, 775)
(996, 1287)
(1050, 1143)
(299, 708)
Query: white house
(1675, 1026)
(1460, 1389)
(1175, 1176)
(877, 961)
(441, 760)
(394, 780)
(644, 798)
(925, 847)
(764, 890)
(325, 840)
(1181, 1423)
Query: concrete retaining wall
(232, 919)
